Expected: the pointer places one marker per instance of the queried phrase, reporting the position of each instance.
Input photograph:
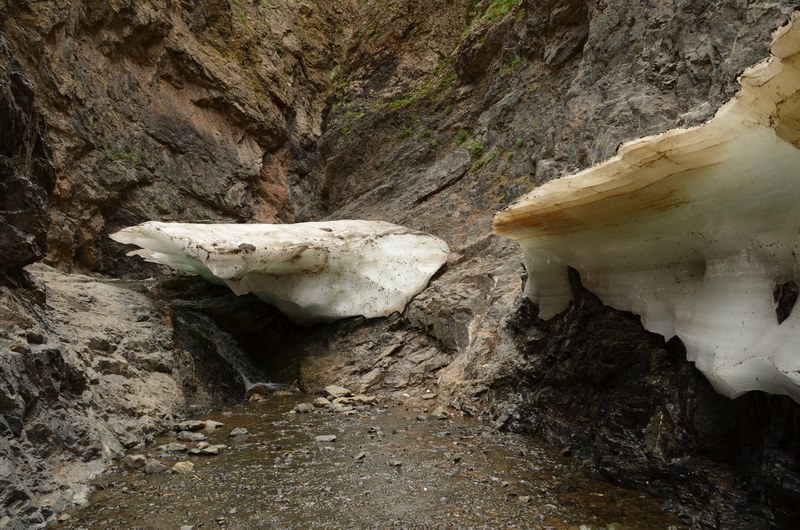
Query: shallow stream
(390, 466)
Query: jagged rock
(312, 272)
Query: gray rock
(152, 467)
(172, 447)
(191, 425)
(212, 425)
(325, 438)
(304, 408)
(239, 431)
(188, 436)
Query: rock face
(90, 367)
(693, 229)
(145, 100)
(26, 173)
(312, 272)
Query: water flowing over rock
(310, 271)
(693, 229)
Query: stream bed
(391, 465)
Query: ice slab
(696, 230)
(312, 272)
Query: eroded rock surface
(89, 367)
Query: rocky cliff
(432, 115)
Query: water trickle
(225, 346)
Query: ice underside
(312, 272)
(692, 229)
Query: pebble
(173, 447)
(134, 461)
(183, 467)
(152, 467)
(395, 463)
(186, 527)
(440, 413)
(239, 431)
(188, 436)
(322, 402)
(207, 450)
(191, 425)
(360, 456)
(212, 425)
(336, 391)
(304, 408)
(326, 438)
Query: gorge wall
(431, 115)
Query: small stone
(173, 447)
(325, 438)
(456, 458)
(188, 436)
(440, 413)
(152, 467)
(232, 511)
(360, 456)
(64, 517)
(366, 400)
(186, 527)
(212, 450)
(134, 461)
(428, 395)
(525, 499)
(321, 402)
(505, 484)
(239, 431)
(191, 425)
(395, 463)
(212, 425)
(202, 445)
(304, 408)
(336, 391)
(255, 398)
(183, 467)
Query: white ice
(312, 272)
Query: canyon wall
(432, 115)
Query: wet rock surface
(386, 469)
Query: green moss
(404, 133)
(519, 143)
(498, 8)
(399, 103)
(239, 9)
(461, 137)
(475, 148)
(122, 156)
(513, 63)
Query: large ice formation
(696, 230)
(311, 271)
